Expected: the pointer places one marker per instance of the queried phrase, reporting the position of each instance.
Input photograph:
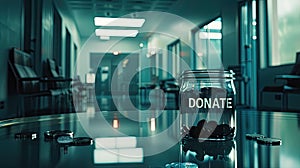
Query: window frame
(269, 32)
(195, 30)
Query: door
(68, 55)
(248, 54)
(174, 50)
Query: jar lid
(208, 73)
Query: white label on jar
(210, 102)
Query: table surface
(156, 134)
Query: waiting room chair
(53, 73)
(26, 82)
(144, 93)
(240, 83)
(292, 85)
(80, 93)
(171, 87)
(59, 82)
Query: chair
(59, 82)
(171, 87)
(240, 83)
(53, 73)
(80, 93)
(144, 93)
(26, 83)
(292, 85)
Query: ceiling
(85, 10)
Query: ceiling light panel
(118, 22)
(116, 33)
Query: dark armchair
(59, 82)
(291, 86)
(25, 83)
(170, 87)
(52, 73)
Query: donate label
(210, 102)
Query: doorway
(68, 55)
(248, 52)
(116, 79)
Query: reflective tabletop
(146, 139)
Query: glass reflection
(245, 153)
(115, 123)
(152, 124)
(115, 142)
(117, 150)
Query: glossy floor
(153, 141)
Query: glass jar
(207, 104)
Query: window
(174, 50)
(57, 37)
(207, 45)
(284, 32)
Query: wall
(10, 36)
(68, 24)
(200, 14)
(47, 30)
(180, 26)
(230, 32)
(94, 45)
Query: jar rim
(208, 73)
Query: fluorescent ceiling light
(116, 32)
(120, 22)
